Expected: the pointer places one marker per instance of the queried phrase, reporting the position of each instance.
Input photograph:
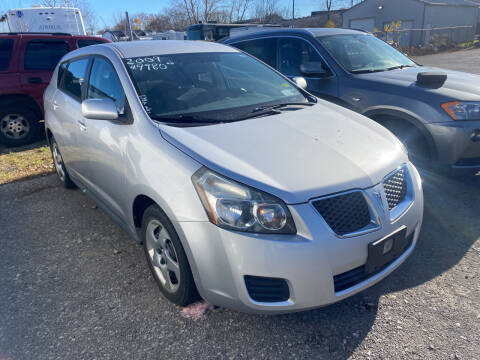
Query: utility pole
(128, 27)
(293, 13)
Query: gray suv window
(104, 83)
(74, 77)
(263, 49)
(293, 52)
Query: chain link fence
(437, 38)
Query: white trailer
(46, 20)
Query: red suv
(27, 62)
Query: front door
(104, 140)
(292, 53)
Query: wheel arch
(410, 117)
(24, 100)
(141, 203)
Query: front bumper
(308, 260)
(458, 143)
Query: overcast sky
(105, 9)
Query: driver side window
(293, 52)
(104, 83)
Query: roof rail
(36, 33)
(362, 30)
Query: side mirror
(99, 109)
(300, 81)
(313, 69)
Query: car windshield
(364, 53)
(206, 87)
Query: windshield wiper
(368, 71)
(399, 67)
(272, 109)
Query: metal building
(422, 21)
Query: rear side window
(6, 47)
(44, 55)
(83, 43)
(74, 78)
(61, 72)
(263, 49)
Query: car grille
(395, 188)
(264, 289)
(345, 213)
(355, 276)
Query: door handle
(55, 106)
(82, 125)
(34, 80)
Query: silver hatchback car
(242, 187)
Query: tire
(18, 126)
(60, 168)
(166, 258)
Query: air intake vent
(395, 188)
(264, 289)
(346, 213)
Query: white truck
(46, 20)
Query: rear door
(366, 24)
(40, 59)
(67, 106)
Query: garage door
(364, 24)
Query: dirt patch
(25, 162)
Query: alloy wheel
(58, 161)
(163, 255)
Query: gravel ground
(75, 286)
(465, 60)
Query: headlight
(234, 206)
(462, 110)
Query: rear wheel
(18, 126)
(166, 257)
(411, 137)
(60, 168)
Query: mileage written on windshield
(149, 63)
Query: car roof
(161, 47)
(315, 32)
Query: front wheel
(166, 258)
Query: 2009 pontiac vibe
(240, 185)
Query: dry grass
(25, 162)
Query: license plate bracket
(384, 251)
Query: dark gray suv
(436, 113)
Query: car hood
(296, 155)
(459, 85)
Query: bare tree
(50, 3)
(238, 9)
